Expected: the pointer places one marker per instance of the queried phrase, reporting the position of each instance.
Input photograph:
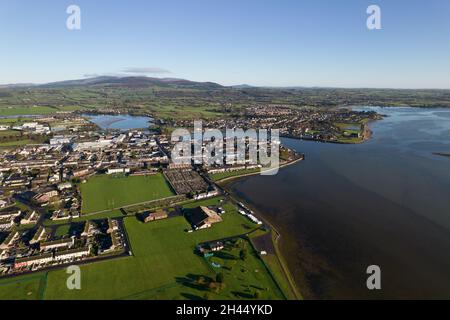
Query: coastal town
(224, 158)
(46, 201)
(84, 189)
(341, 125)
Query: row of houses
(52, 257)
(10, 240)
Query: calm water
(384, 202)
(120, 122)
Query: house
(205, 195)
(58, 140)
(118, 171)
(6, 223)
(203, 217)
(44, 197)
(81, 173)
(60, 215)
(4, 254)
(89, 229)
(55, 244)
(71, 254)
(16, 180)
(157, 215)
(206, 248)
(4, 203)
(31, 218)
(216, 246)
(254, 219)
(10, 212)
(113, 225)
(39, 236)
(116, 241)
(20, 263)
(10, 240)
(64, 186)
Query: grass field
(10, 133)
(184, 112)
(20, 110)
(163, 266)
(62, 230)
(16, 143)
(347, 130)
(109, 192)
(30, 287)
(229, 174)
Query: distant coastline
(442, 154)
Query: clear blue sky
(257, 42)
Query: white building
(118, 170)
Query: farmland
(24, 110)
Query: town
(328, 125)
(53, 193)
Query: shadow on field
(191, 296)
(194, 281)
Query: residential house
(203, 217)
(157, 215)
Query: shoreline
(276, 235)
(366, 135)
(227, 179)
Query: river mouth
(346, 207)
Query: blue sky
(257, 42)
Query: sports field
(163, 266)
(111, 192)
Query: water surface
(120, 122)
(384, 202)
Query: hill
(133, 82)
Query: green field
(109, 192)
(16, 143)
(15, 120)
(62, 230)
(20, 110)
(10, 133)
(29, 287)
(163, 266)
(168, 111)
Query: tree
(243, 254)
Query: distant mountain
(242, 86)
(16, 85)
(133, 82)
